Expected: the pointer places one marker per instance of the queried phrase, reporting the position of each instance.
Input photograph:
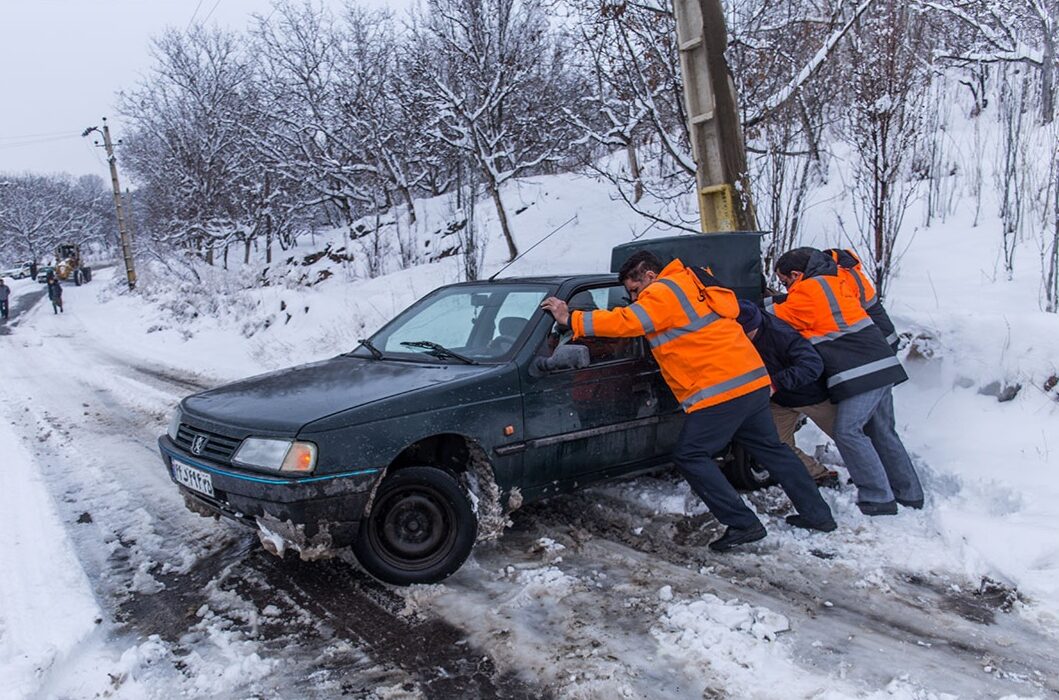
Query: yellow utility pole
(126, 243)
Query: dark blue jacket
(792, 362)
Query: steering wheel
(501, 344)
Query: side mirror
(565, 357)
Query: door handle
(645, 388)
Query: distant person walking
(55, 293)
(5, 295)
(33, 270)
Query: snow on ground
(46, 603)
(666, 630)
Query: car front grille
(217, 447)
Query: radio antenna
(555, 231)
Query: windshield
(482, 323)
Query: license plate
(194, 479)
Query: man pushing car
(719, 380)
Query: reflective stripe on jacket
(850, 268)
(703, 354)
(827, 312)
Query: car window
(600, 350)
(480, 322)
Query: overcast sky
(63, 61)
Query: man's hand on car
(558, 309)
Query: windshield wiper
(375, 352)
(439, 351)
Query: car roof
(556, 280)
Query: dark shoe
(828, 481)
(915, 505)
(800, 521)
(733, 537)
(869, 508)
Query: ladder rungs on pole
(702, 118)
(691, 44)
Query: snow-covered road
(110, 585)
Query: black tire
(420, 530)
(743, 472)
(78, 277)
(87, 272)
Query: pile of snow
(47, 609)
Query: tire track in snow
(160, 568)
(915, 624)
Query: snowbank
(46, 605)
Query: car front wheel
(420, 529)
(743, 472)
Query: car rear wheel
(420, 529)
(743, 472)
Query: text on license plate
(194, 479)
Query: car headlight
(279, 455)
(174, 425)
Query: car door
(588, 423)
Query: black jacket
(55, 290)
(793, 364)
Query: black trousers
(745, 421)
(3, 308)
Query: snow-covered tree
(186, 143)
(494, 78)
(1004, 32)
(38, 212)
(633, 102)
(883, 123)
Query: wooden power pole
(713, 117)
(123, 232)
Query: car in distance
(470, 402)
(17, 272)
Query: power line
(35, 142)
(33, 136)
(192, 18)
(211, 12)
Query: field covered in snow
(607, 593)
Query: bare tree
(186, 139)
(38, 212)
(307, 135)
(1006, 31)
(1013, 104)
(884, 122)
(493, 76)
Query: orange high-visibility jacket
(825, 308)
(851, 268)
(705, 357)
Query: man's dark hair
(797, 259)
(638, 263)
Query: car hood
(282, 402)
